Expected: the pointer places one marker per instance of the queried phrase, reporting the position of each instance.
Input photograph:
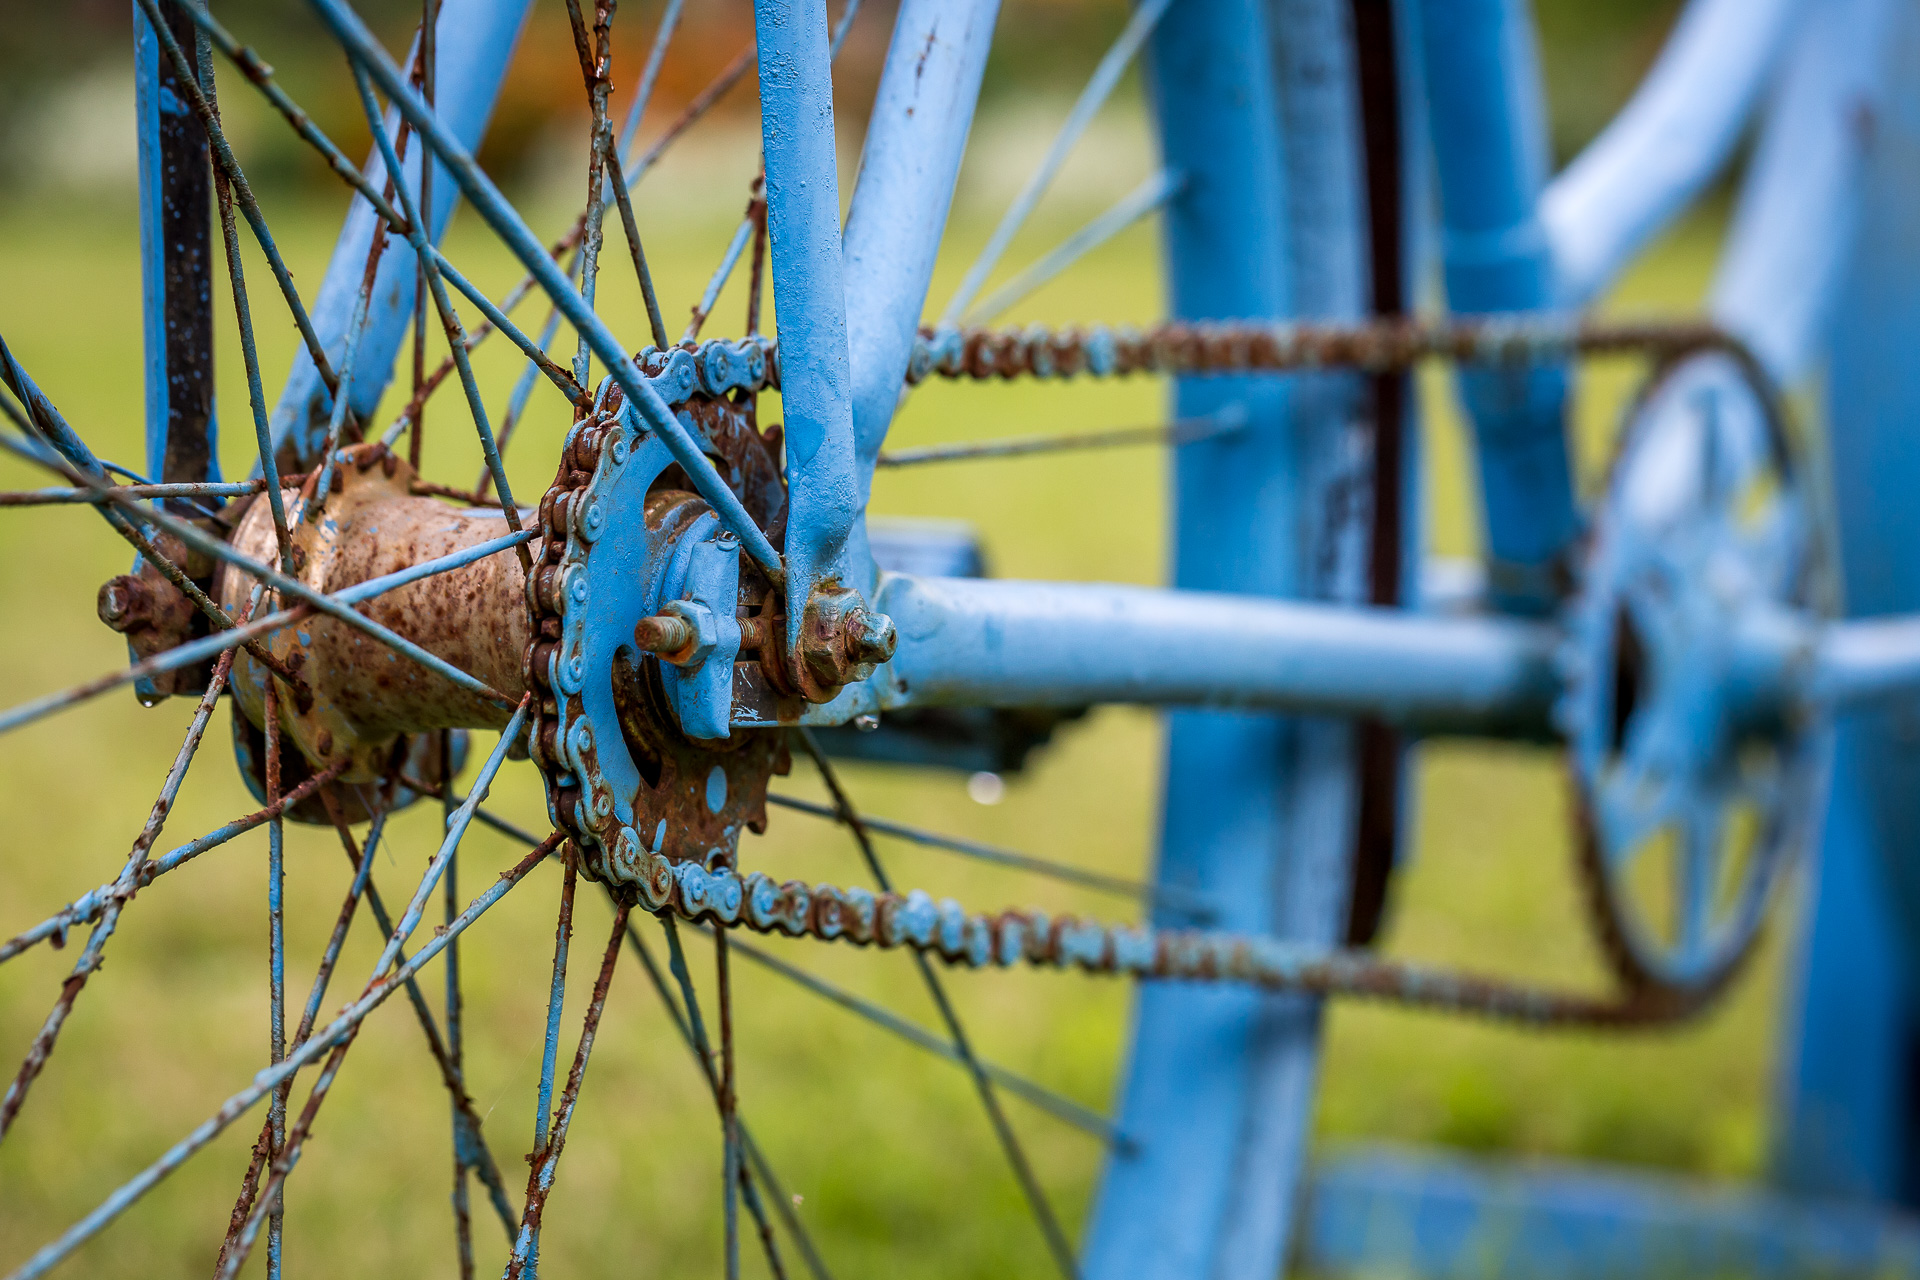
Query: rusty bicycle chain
(944, 929)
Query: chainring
(1692, 791)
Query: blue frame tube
(475, 40)
(803, 233)
(999, 642)
(1793, 237)
(1258, 109)
(916, 138)
(1850, 1108)
(1666, 144)
(1488, 131)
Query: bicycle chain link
(721, 896)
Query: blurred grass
(885, 1147)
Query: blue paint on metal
(475, 41)
(1388, 1211)
(1793, 236)
(153, 270)
(1668, 143)
(1488, 133)
(916, 136)
(803, 232)
(1257, 811)
(506, 222)
(995, 642)
(707, 595)
(1849, 1104)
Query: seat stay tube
(1487, 119)
(916, 138)
(803, 232)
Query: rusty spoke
(323, 976)
(693, 1032)
(526, 1249)
(1050, 1229)
(546, 1161)
(112, 899)
(391, 958)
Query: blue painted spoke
(1198, 905)
(540, 1179)
(456, 336)
(1039, 1095)
(1050, 1229)
(526, 1250)
(695, 1037)
(507, 224)
(1144, 199)
(390, 956)
(649, 75)
(111, 898)
(1099, 86)
(264, 1083)
(718, 281)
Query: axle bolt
(664, 633)
(125, 604)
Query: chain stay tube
(803, 227)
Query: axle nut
(871, 637)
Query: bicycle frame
(1267, 224)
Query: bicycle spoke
(729, 1104)
(517, 402)
(528, 1242)
(512, 230)
(693, 1031)
(78, 462)
(718, 281)
(650, 73)
(479, 1157)
(456, 336)
(322, 978)
(1054, 1104)
(617, 178)
(546, 1164)
(594, 54)
(703, 102)
(289, 1153)
(113, 898)
(276, 974)
(424, 68)
(239, 1103)
(250, 357)
(1197, 905)
(1144, 199)
(1050, 1228)
(1092, 98)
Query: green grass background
(896, 1170)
